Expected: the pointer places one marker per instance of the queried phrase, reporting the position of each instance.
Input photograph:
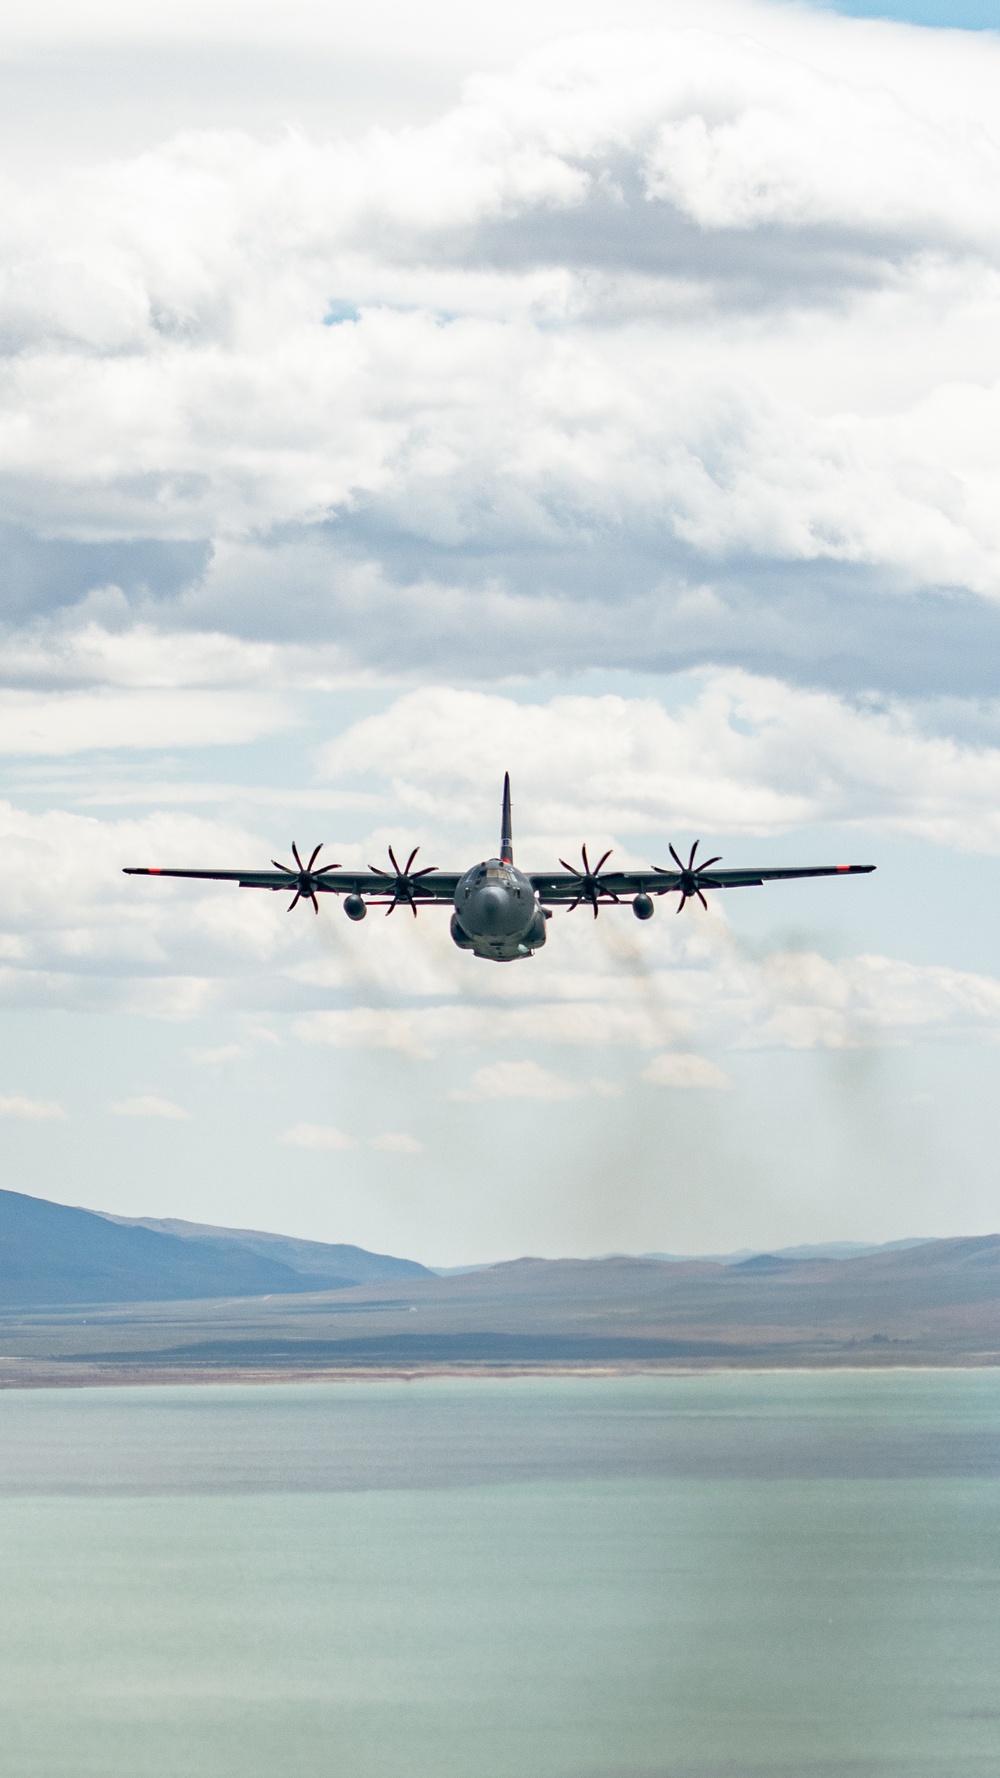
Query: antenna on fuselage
(506, 837)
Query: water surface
(570, 1578)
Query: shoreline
(21, 1374)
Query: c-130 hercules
(500, 911)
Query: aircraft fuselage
(497, 913)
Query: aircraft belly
(507, 952)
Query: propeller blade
(409, 861)
(694, 849)
(294, 903)
(392, 861)
(675, 858)
(701, 898)
(569, 867)
(706, 863)
(279, 866)
(316, 852)
(599, 866)
(295, 855)
(312, 898)
(413, 907)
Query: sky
(397, 396)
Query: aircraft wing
(552, 886)
(561, 885)
(435, 886)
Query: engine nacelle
(354, 907)
(458, 937)
(642, 907)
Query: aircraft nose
(492, 903)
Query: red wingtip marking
(843, 867)
(155, 870)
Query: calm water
(581, 1578)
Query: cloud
(324, 1136)
(628, 356)
(328, 1137)
(816, 1003)
(518, 1080)
(147, 1105)
(738, 755)
(223, 1052)
(670, 347)
(527, 1080)
(816, 146)
(741, 754)
(636, 326)
(736, 752)
(420, 1032)
(679, 1070)
(35, 1110)
(695, 986)
(80, 932)
(397, 1142)
(30, 724)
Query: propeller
(693, 877)
(590, 886)
(304, 878)
(403, 881)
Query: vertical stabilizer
(506, 837)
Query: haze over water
(787, 1574)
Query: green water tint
(619, 1627)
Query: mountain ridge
(53, 1254)
(936, 1303)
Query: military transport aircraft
(498, 911)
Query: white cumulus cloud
(679, 1070)
(147, 1105)
(325, 1136)
(35, 1110)
(688, 286)
(518, 1080)
(743, 754)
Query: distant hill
(93, 1296)
(812, 1250)
(52, 1254)
(312, 1259)
(934, 1303)
(815, 1250)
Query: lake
(578, 1577)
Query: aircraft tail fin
(506, 837)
